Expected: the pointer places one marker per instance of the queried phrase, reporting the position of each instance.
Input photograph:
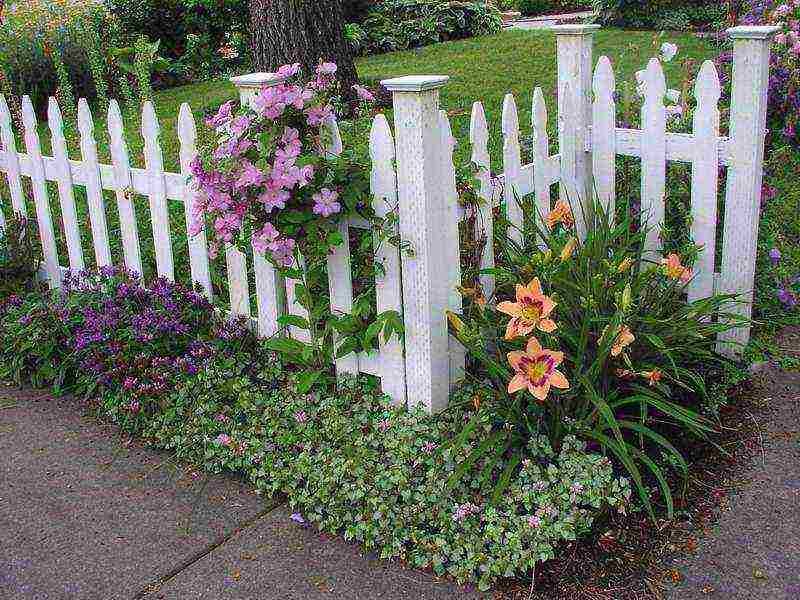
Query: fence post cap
(753, 32)
(415, 83)
(257, 80)
(575, 29)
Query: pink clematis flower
(325, 203)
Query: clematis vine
(267, 178)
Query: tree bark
(301, 31)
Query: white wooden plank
(388, 290)
(340, 276)
(484, 223)
(270, 295)
(705, 179)
(654, 156)
(680, 146)
(512, 167)
(541, 153)
(94, 187)
(69, 215)
(123, 189)
(43, 214)
(751, 51)
(159, 213)
(450, 242)
(603, 137)
(198, 245)
(238, 289)
(11, 160)
(568, 186)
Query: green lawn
(484, 69)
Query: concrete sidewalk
(83, 515)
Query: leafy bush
(595, 339)
(545, 7)
(43, 48)
(175, 21)
(662, 14)
(19, 256)
(159, 365)
(402, 24)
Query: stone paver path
(754, 552)
(85, 516)
(546, 21)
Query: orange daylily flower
(675, 270)
(624, 338)
(529, 312)
(561, 213)
(535, 370)
(653, 376)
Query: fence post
(270, 287)
(742, 197)
(574, 44)
(422, 213)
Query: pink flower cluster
(264, 163)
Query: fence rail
(423, 187)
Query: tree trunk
(301, 31)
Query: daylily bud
(625, 265)
(569, 249)
(547, 255)
(455, 321)
(626, 297)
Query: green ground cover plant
(159, 363)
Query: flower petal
(534, 347)
(540, 392)
(509, 308)
(517, 383)
(535, 287)
(514, 358)
(558, 380)
(547, 325)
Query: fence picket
(450, 239)
(604, 150)
(270, 295)
(512, 168)
(159, 212)
(541, 152)
(654, 155)
(43, 214)
(568, 188)
(123, 188)
(94, 186)
(484, 222)
(388, 292)
(340, 276)
(12, 159)
(66, 194)
(198, 247)
(238, 288)
(705, 172)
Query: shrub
(43, 48)
(545, 7)
(595, 339)
(661, 14)
(19, 256)
(402, 24)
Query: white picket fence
(423, 285)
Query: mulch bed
(625, 557)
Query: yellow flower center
(536, 371)
(531, 312)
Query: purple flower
(300, 416)
(775, 256)
(384, 425)
(364, 93)
(325, 203)
(223, 439)
(297, 518)
(429, 447)
(534, 522)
